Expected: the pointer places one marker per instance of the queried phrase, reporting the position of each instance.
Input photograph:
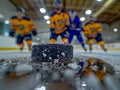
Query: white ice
(111, 57)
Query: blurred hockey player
(75, 28)
(100, 73)
(24, 27)
(59, 23)
(81, 67)
(96, 67)
(90, 67)
(92, 31)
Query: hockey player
(59, 21)
(100, 73)
(24, 27)
(96, 67)
(75, 28)
(91, 67)
(81, 69)
(92, 31)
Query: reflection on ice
(111, 83)
(40, 88)
(56, 76)
(22, 69)
(93, 82)
(84, 84)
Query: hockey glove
(82, 29)
(34, 32)
(67, 27)
(12, 33)
(52, 30)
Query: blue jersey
(75, 29)
(76, 23)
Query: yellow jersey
(92, 28)
(59, 22)
(22, 26)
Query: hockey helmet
(91, 18)
(20, 10)
(100, 61)
(91, 61)
(57, 3)
(72, 12)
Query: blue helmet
(58, 2)
(91, 17)
(20, 10)
(72, 12)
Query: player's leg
(100, 41)
(70, 38)
(19, 41)
(80, 39)
(90, 42)
(64, 37)
(53, 38)
(28, 39)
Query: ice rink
(111, 56)
(60, 45)
(32, 81)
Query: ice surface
(14, 54)
(56, 76)
(70, 75)
(93, 82)
(73, 65)
(111, 57)
(22, 69)
(111, 83)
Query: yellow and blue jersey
(22, 26)
(59, 22)
(92, 28)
